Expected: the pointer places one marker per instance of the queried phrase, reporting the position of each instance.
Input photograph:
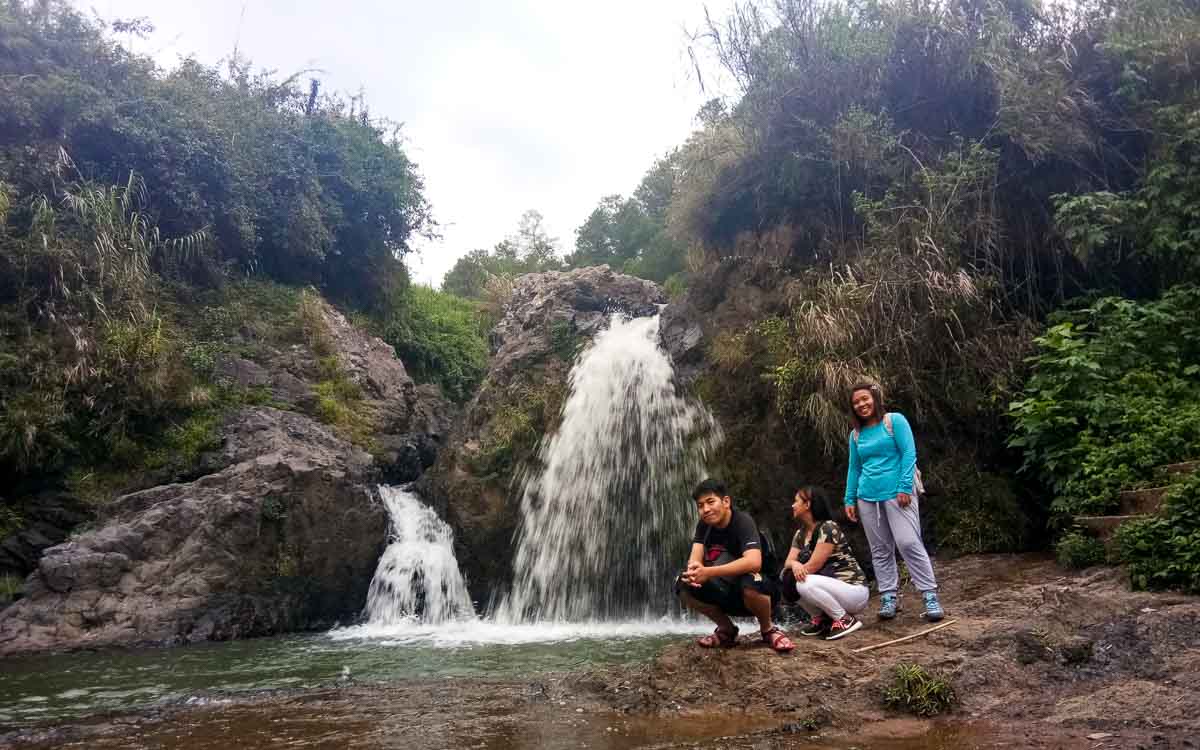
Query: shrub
(1163, 551)
(1078, 550)
(915, 690)
(1112, 394)
(339, 403)
(975, 511)
(438, 336)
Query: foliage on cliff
(157, 226)
(906, 190)
(304, 187)
(1114, 393)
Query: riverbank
(1039, 657)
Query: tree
(530, 249)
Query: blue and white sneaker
(889, 605)
(933, 608)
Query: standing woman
(828, 579)
(879, 493)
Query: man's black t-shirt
(730, 543)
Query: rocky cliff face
(475, 482)
(277, 530)
(284, 537)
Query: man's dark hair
(710, 486)
(876, 398)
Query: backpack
(918, 485)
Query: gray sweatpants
(889, 526)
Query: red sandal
(722, 638)
(778, 640)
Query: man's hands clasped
(696, 574)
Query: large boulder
(475, 482)
(406, 422)
(283, 535)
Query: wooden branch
(945, 624)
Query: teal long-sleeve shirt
(881, 466)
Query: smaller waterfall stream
(417, 579)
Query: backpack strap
(887, 425)
(918, 485)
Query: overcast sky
(506, 105)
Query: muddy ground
(1038, 657)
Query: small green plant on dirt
(915, 690)
(1078, 550)
(1163, 551)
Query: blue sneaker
(889, 605)
(933, 608)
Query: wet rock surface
(283, 537)
(823, 695)
(474, 481)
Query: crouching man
(724, 573)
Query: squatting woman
(880, 493)
(828, 579)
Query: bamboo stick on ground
(927, 631)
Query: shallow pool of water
(71, 686)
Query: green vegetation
(529, 250)
(915, 690)
(522, 415)
(157, 225)
(1163, 551)
(301, 186)
(1113, 394)
(440, 337)
(977, 511)
(1078, 550)
(908, 193)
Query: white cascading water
(606, 511)
(417, 580)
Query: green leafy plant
(1078, 550)
(1163, 551)
(440, 340)
(1112, 395)
(915, 690)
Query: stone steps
(1184, 467)
(1102, 527)
(1141, 502)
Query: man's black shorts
(726, 593)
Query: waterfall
(417, 579)
(606, 510)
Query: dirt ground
(1039, 658)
